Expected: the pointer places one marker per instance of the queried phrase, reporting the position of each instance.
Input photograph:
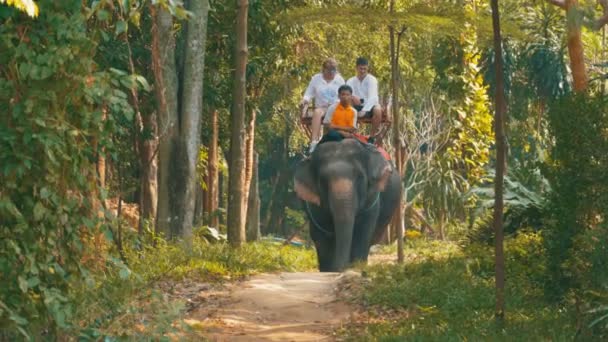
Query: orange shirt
(341, 116)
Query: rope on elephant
(373, 204)
(312, 218)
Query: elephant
(350, 193)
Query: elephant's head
(343, 178)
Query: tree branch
(603, 20)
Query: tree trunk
(199, 206)
(220, 196)
(398, 221)
(268, 217)
(190, 118)
(576, 50)
(165, 77)
(575, 46)
(249, 155)
(236, 179)
(501, 109)
(212, 167)
(253, 207)
(149, 165)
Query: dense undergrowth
(445, 292)
(126, 301)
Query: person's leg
(317, 117)
(376, 119)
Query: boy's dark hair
(345, 87)
(362, 61)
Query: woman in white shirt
(323, 88)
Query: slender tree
(575, 41)
(236, 181)
(395, 39)
(501, 164)
(212, 171)
(253, 207)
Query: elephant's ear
(304, 183)
(380, 171)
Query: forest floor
(300, 306)
(296, 306)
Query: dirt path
(275, 307)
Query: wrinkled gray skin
(339, 184)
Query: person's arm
(329, 115)
(348, 129)
(372, 95)
(310, 91)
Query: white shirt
(325, 93)
(366, 89)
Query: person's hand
(356, 100)
(346, 134)
(360, 114)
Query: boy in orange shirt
(341, 118)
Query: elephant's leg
(324, 249)
(363, 233)
(390, 200)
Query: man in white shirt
(323, 87)
(365, 94)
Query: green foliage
(525, 200)
(441, 192)
(27, 6)
(577, 171)
(472, 134)
(418, 17)
(216, 261)
(446, 293)
(58, 112)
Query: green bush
(578, 172)
(52, 126)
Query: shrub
(53, 102)
(578, 172)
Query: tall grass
(446, 293)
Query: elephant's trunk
(343, 207)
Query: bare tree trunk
(190, 118)
(249, 156)
(220, 196)
(253, 207)
(199, 206)
(149, 165)
(398, 222)
(501, 165)
(236, 180)
(575, 46)
(212, 185)
(101, 168)
(202, 209)
(268, 217)
(576, 50)
(165, 76)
